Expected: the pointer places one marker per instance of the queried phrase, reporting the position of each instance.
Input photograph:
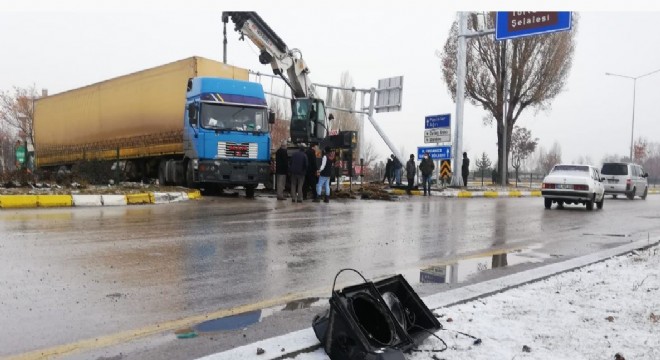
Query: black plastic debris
(374, 321)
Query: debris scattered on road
(260, 351)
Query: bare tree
(536, 69)
(522, 145)
(345, 99)
(640, 149)
(17, 111)
(279, 131)
(550, 159)
(370, 154)
(483, 164)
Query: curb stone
(305, 340)
(42, 201)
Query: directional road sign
(437, 135)
(515, 24)
(437, 121)
(435, 152)
(445, 168)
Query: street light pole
(632, 130)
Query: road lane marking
(130, 335)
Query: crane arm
(274, 51)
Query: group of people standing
(306, 175)
(393, 171)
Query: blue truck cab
(226, 140)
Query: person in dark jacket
(281, 169)
(325, 171)
(427, 166)
(298, 169)
(465, 169)
(411, 169)
(310, 176)
(398, 169)
(388, 170)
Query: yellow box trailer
(137, 115)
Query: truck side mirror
(331, 117)
(271, 117)
(192, 114)
(645, 175)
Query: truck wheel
(161, 174)
(190, 183)
(646, 192)
(249, 191)
(548, 203)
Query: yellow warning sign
(445, 168)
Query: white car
(573, 184)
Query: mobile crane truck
(309, 121)
(194, 122)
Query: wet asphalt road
(78, 273)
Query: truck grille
(237, 150)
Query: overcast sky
(78, 43)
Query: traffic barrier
(163, 198)
(18, 201)
(54, 200)
(87, 200)
(113, 200)
(135, 199)
(196, 194)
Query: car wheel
(599, 204)
(631, 194)
(590, 203)
(548, 203)
(646, 192)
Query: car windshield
(570, 168)
(614, 169)
(231, 117)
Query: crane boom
(308, 116)
(274, 51)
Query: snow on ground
(591, 313)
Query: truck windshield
(233, 117)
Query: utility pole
(463, 34)
(456, 177)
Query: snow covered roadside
(594, 312)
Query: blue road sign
(437, 121)
(435, 152)
(515, 24)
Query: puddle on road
(463, 269)
(243, 320)
(300, 304)
(610, 235)
(233, 322)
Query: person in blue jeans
(427, 166)
(324, 172)
(398, 169)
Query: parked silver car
(625, 179)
